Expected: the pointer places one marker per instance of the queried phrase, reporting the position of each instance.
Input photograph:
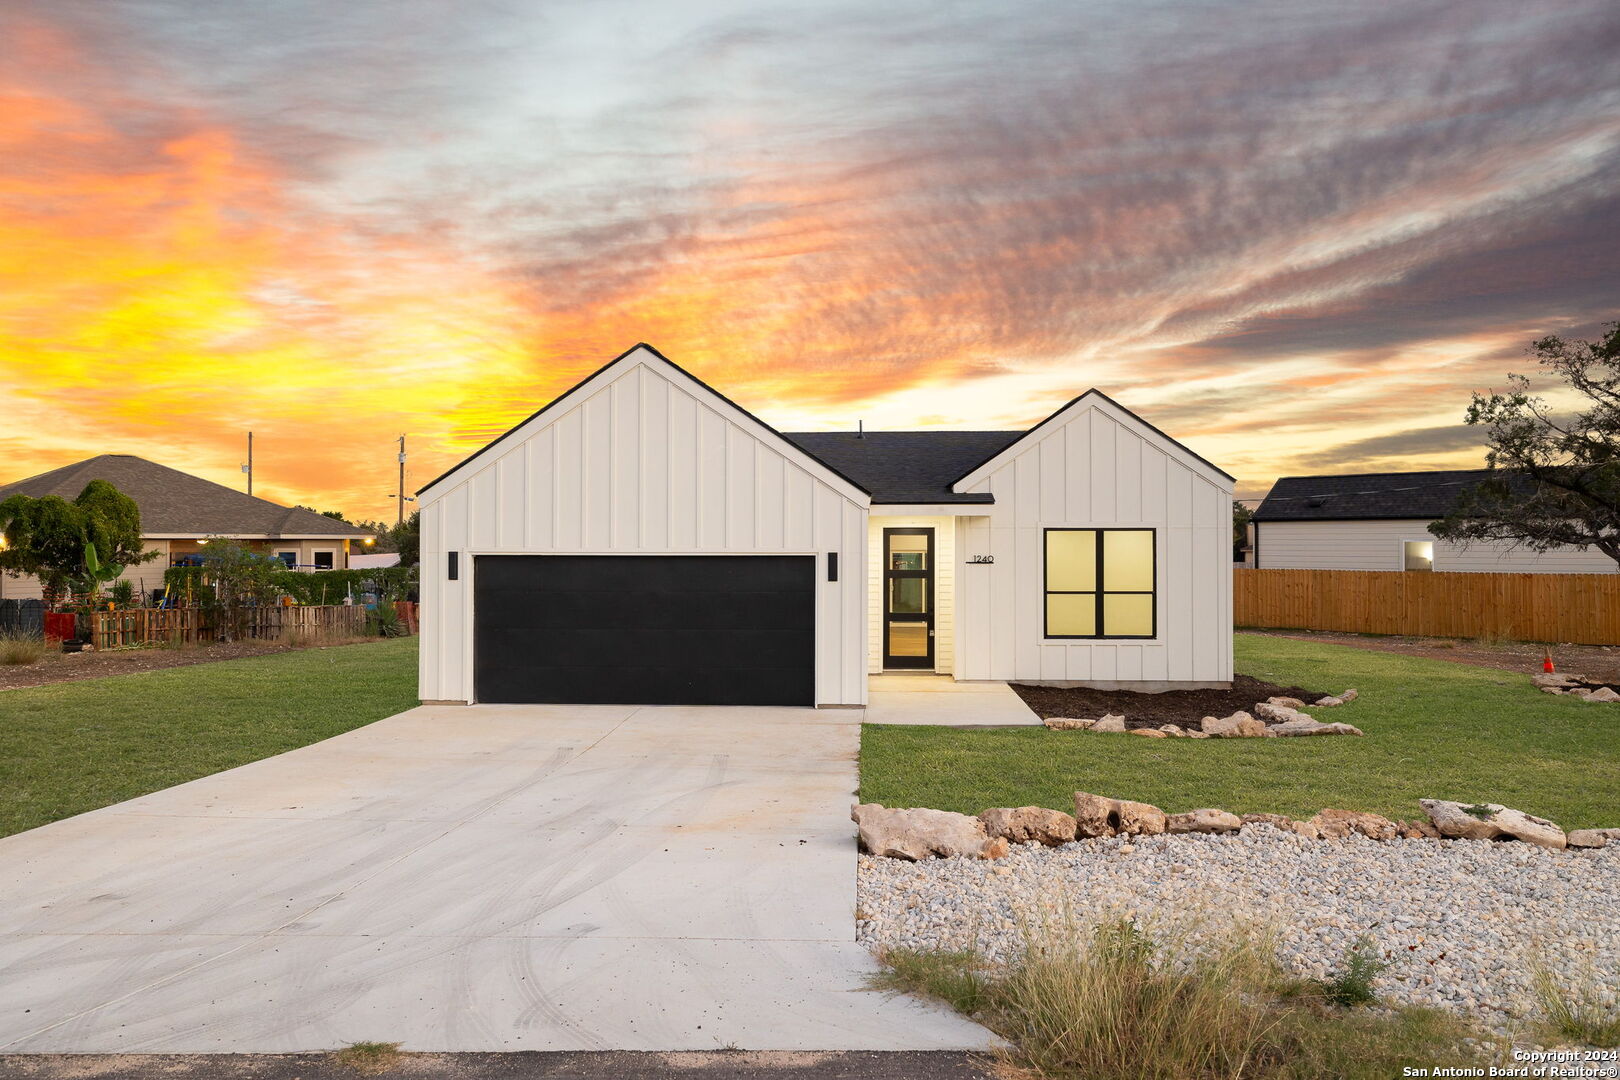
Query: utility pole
(401, 480)
(248, 468)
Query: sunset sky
(1293, 234)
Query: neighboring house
(643, 540)
(181, 512)
(1380, 521)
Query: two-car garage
(644, 629)
(643, 541)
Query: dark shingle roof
(174, 503)
(907, 466)
(1409, 495)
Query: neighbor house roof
(907, 466)
(1407, 495)
(174, 503)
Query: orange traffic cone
(1546, 662)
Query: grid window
(1100, 583)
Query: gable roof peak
(641, 346)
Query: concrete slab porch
(927, 698)
(485, 878)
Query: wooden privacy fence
(141, 626)
(1572, 608)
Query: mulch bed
(1183, 707)
(60, 667)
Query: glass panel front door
(908, 590)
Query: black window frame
(1099, 593)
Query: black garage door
(645, 629)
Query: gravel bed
(1461, 919)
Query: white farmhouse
(644, 540)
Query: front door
(908, 604)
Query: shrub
(1352, 986)
(1112, 1003)
(384, 620)
(17, 647)
(122, 593)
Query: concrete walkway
(927, 698)
(467, 879)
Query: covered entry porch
(913, 560)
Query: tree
(72, 547)
(240, 578)
(335, 515)
(382, 531)
(1241, 516)
(1554, 476)
(406, 538)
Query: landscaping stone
(1283, 824)
(1337, 824)
(1111, 722)
(1306, 726)
(1556, 679)
(1067, 723)
(1027, 824)
(1099, 816)
(1591, 838)
(1602, 693)
(1279, 714)
(1173, 731)
(1238, 725)
(920, 833)
(1150, 733)
(1491, 821)
(1460, 917)
(1203, 821)
(1286, 702)
(1334, 700)
(1277, 821)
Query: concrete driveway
(467, 879)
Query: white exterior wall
(642, 459)
(1095, 466)
(1378, 545)
(944, 587)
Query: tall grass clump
(1585, 1011)
(20, 648)
(1113, 1002)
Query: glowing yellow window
(1100, 583)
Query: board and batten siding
(1380, 545)
(1096, 466)
(944, 587)
(642, 459)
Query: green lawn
(1434, 730)
(72, 747)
